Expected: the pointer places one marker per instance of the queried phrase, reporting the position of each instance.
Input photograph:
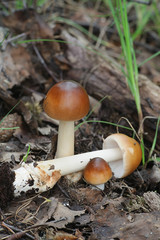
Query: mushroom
(121, 152)
(131, 154)
(97, 172)
(67, 102)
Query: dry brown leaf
(46, 211)
(88, 195)
(112, 221)
(62, 236)
(53, 209)
(17, 66)
(63, 212)
(11, 156)
(37, 143)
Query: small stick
(44, 64)
(15, 235)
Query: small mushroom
(67, 102)
(97, 172)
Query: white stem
(40, 176)
(65, 143)
(78, 162)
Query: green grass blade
(9, 128)
(143, 151)
(24, 159)
(148, 59)
(103, 122)
(9, 112)
(145, 17)
(92, 110)
(79, 27)
(154, 140)
(121, 21)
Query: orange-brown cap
(66, 101)
(97, 171)
(131, 154)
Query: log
(101, 77)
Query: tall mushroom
(67, 102)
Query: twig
(16, 37)
(63, 191)
(16, 235)
(102, 33)
(43, 63)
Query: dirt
(127, 208)
(7, 192)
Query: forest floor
(128, 208)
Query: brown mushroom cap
(97, 171)
(131, 154)
(66, 101)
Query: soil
(127, 208)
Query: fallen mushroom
(121, 152)
(67, 102)
(97, 172)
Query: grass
(3, 39)
(79, 27)
(144, 15)
(103, 122)
(130, 70)
(156, 17)
(9, 128)
(151, 152)
(119, 12)
(24, 159)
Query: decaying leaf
(16, 67)
(46, 211)
(62, 235)
(11, 156)
(63, 215)
(53, 209)
(87, 195)
(37, 143)
(112, 221)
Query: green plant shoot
(119, 12)
(24, 159)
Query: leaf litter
(126, 209)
